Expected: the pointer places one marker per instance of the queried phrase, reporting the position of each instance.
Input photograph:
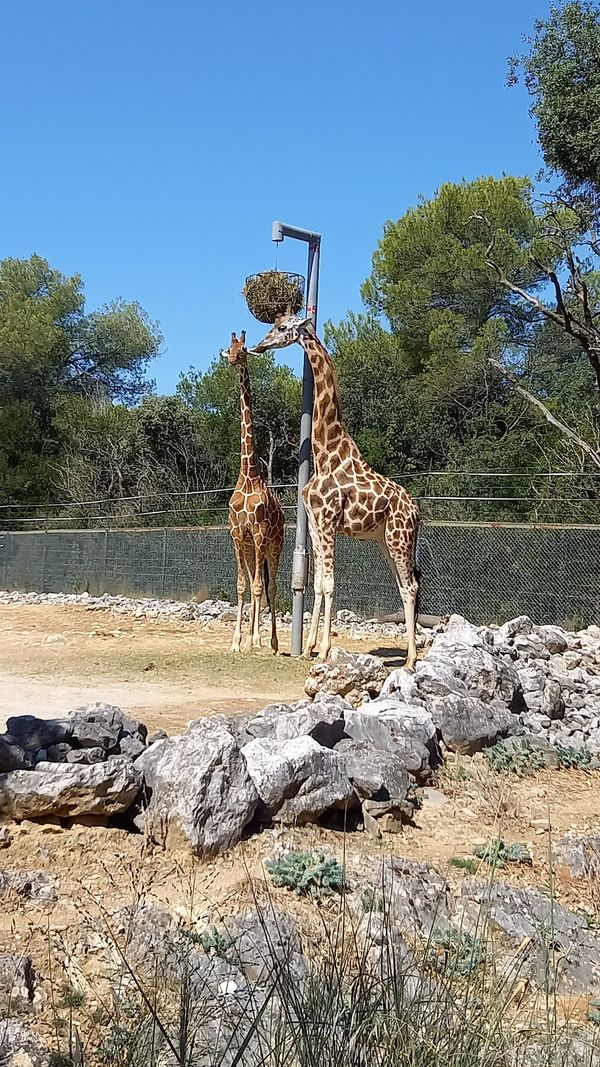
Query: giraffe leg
(328, 582)
(313, 632)
(272, 564)
(400, 552)
(241, 592)
(249, 567)
(258, 588)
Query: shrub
(520, 759)
(454, 953)
(307, 873)
(499, 854)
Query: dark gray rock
(560, 952)
(58, 753)
(375, 774)
(417, 895)
(70, 789)
(158, 944)
(405, 730)
(12, 757)
(297, 780)
(265, 944)
(19, 1047)
(577, 857)
(36, 886)
(17, 984)
(552, 703)
(198, 785)
(32, 733)
(132, 747)
(104, 725)
(86, 755)
(322, 720)
(158, 735)
(468, 725)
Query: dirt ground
(162, 671)
(52, 659)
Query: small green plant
(573, 757)
(309, 874)
(499, 854)
(463, 863)
(454, 953)
(118, 1046)
(71, 998)
(521, 759)
(371, 900)
(214, 940)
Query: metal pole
(300, 558)
(300, 561)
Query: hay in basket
(270, 293)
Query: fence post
(164, 562)
(102, 576)
(44, 557)
(4, 544)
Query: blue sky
(148, 145)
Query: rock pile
(361, 740)
(80, 765)
(346, 622)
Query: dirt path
(162, 671)
(53, 659)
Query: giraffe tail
(266, 576)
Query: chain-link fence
(488, 572)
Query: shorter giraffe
(255, 517)
(345, 495)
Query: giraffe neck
(327, 428)
(248, 461)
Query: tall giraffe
(255, 517)
(345, 494)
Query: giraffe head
(286, 330)
(237, 351)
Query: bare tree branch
(566, 430)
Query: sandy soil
(164, 672)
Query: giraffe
(345, 494)
(255, 517)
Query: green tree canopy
(48, 345)
(562, 74)
(214, 397)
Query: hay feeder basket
(271, 292)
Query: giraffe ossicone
(255, 517)
(345, 494)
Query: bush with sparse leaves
(499, 854)
(308, 873)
